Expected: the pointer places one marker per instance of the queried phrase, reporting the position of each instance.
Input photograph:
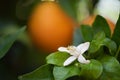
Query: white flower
(76, 53)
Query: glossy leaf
(100, 24)
(111, 45)
(57, 58)
(42, 73)
(92, 70)
(96, 42)
(62, 73)
(116, 34)
(99, 41)
(7, 41)
(87, 33)
(111, 68)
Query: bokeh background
(23, 56)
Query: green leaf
(87, 33)
(118, 53)
(92, 70)
(99, 41)
(62, 73)
(77, 38)
(57, 58)
(100, 24)
(111, 68)
(24, 8)
(116, 34)
(70, 7)
(42, 73)
(7, 41)
(111, 45)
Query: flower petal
(81, 59)
(63, 49)
(69, 60)
(83, 47)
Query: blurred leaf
(100, 24)
(77, 38)
(70, 6)
(24, 8)
(92, 70)
(82, 9)
(111, 68)
(87, 33)
(62, 73)
(57, 58)
(100, 40)
(116, 34)
(92, 5)
(42, 73)
(7, 41)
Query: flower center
(73, 50)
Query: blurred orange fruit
(89, 21)
(50, 27)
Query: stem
(117, 53)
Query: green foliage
(62, 73)
(24, 8)
(111, 68)
(99, 41)
(77, 37)
(70, 7)
(42, 73)
(91, 71)
(103, 66)
(100, 24)
(87, 33)
(57, 58)
(111, 45)
(7, 41)
(116, 34)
